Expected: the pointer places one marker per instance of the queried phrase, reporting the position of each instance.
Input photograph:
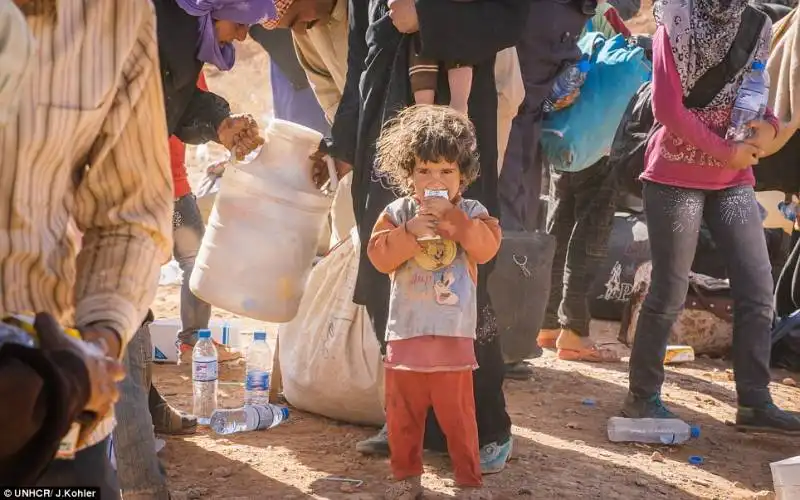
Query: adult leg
(138, 467)
(594, 196)
(548, 44)
(89, 468)
(733, 219)
(673, 224)
(560, 224)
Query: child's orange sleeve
(479, 237)
(390, 246)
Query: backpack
(577, 137)
(638, 123)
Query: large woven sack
(705, 323)
(519, 287)
(329, 356)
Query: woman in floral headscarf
(692, 174)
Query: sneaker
(652, 407)
(377, 445)
(767, 418)
(407, 489)
(494, 456)
(224, 353)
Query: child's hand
(436, 206)
(422, 225)
(744, 155)
(763, 134)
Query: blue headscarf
(248, 12)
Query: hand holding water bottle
(744, 156)
(762, 135)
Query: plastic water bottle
(205, 371)
(258, 371)
(650, 430)
(789, 210)
(11, 334)
(567, 86)
(248, 418)
(751, 102)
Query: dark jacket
(193, 115)
(378, 87)
(42, 393)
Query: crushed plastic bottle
(567, 86)
(789, 210)
(750, 103)
(248, 418)
(650, 430)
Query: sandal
(593, 354)
(407, 489)
(547, 338)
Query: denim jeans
(89, 468)
(188, 231)
(673, 223)
(138, 468)
(581, 217)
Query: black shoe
(652, 407)
(767, 418)
(519, 371)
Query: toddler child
(432, 309)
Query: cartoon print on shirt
(443, 288)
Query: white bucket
(263, 230)
(164, 332)
(786, 478)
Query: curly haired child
(432, 311)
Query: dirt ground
(561, 445)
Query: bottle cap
(259, 335)
(696, 460)
(695, 431)
(204, 334)
(584, 66)
(757, 65)
(285, 412)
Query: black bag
(628, 248)
(781, 171)
(786, 343)
(638, 123)
(519, 287)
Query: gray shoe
(377, 445)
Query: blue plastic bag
(576, 137)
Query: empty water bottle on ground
(567, 86)
(248, 418)
(650, 430)
(205, 371)
(258, 371)
(750, 104)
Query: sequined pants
(673, 223)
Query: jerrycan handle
(332, 174)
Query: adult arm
(390, 246)
(344, 132)
(668, 107)
(202, 118)
(470, 32)
(321, 80)
(123, 203)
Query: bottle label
(749, 100)
(267, 416)
(257, 380)
(205, 371)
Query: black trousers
(494, 424)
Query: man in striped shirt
(87, 148)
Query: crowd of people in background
(99, 98)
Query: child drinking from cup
(432, 312)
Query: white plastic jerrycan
(262, 233)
